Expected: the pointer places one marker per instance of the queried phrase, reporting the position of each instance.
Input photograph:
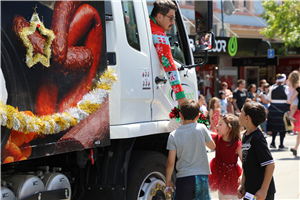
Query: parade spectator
(223, 103)
(202, 103)
(278, 98)
(262, 83)
(265, 103)
(293, 82)
(258, 163)
(224, 168)
(214, 113)
(228, 95)
(240, 95)
(296, 116)
(251, 92)
(187, 143)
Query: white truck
(52, 148)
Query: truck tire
(147, 170)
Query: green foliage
(283, 21)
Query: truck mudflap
(54, 78)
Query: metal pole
(222, 33)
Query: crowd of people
(239, 122)
(281, 100)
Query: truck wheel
(146, 176)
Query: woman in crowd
(278, 98)
(251, 92)
(264, 101)
(260, 89)
(228, 96)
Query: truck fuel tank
(24, 185)
(7, 194)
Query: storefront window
(206, 82)
(229, 75)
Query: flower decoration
(202, 119)
(175, 114)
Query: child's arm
(211, 145)
(241, 189)
(169, 170)
(240, 153)
(210, 118)
(262, 192)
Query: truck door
(132, 95)
(164, 98)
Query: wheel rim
(152, 187)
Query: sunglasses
(172, 19)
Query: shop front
(232, 59)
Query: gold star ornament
(35, 23)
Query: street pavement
(286, 174)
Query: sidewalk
(287, 167)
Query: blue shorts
(192, 187)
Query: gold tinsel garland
(50, 124)
(35, 23)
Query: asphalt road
(286, 175)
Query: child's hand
(170, 187)
(261, 194)
(241, 191)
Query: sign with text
(254, 61)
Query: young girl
(214, 113)
(224, 168)
(293, 82)
(223, 103)
(201, 101)
(295, 108)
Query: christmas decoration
(35, 23)
(175, 120)
(51, 124)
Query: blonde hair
(294, 78)
(212, 102)
(232, 122)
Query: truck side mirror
(203, 16)
(204, 41)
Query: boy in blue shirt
(188, 144)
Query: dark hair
(250, 87)
(256, 111)
(224, 84)
(220, 94)
(163, 7)
(232, 122)
(240, 81)
(190, 109)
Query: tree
(283, 21)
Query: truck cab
(129, 41)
